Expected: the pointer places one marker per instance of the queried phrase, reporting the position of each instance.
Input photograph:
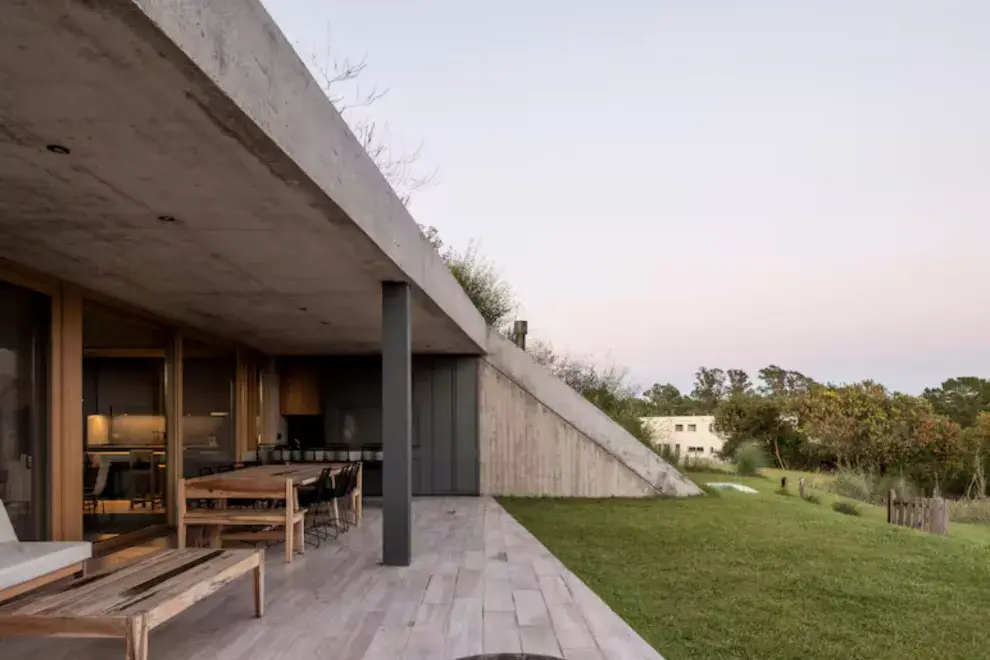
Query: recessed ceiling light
(58, 149)
(167, 218)
(303, 309)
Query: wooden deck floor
(479, 582)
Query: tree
(339, 81)
(976, 440)
(849, 421)
(779, 382)
(961, 399)
(864, 426)
(938, 451)
(709, 389)
(751, 418)
(739, 383)
(608, 389)
(667, 401)
(479, 278)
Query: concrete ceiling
(174, 197)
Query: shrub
(970, 511)
(749, 459)
(898, 483)
(848, 508)
(783, 491)
(865, 487)
(668, 454)
(696, 464)
(703, 465)
(854, 485)
(812, 498)
(708, 468)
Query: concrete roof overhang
(203, 112)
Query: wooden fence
(930, 514)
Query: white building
(690, 436)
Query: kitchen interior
(124, 424)
(331, 411)
(124, 475)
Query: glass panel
(208, 441)
(124, 475)
(25, 328)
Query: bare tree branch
(400, 168)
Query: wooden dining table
(269, 482)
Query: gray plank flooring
(479, 582)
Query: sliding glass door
(125, 445)
(25, 332)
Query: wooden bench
(289, 519)
(128, 601)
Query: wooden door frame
(174, 382)
(64, 385)
(65, 445)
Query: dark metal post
(396, 425)
(519, 331)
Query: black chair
(316, 501)
(91, 474)
(141, 478)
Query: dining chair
(352, 483)
(141, 475)
(94, 483)
(341, 491)
(315, 500)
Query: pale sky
(720, 183)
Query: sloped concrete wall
(540, 437)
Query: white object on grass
(725, 485)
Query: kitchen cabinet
(299, 389)
(122, 386)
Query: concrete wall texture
(540, 437)
(239, 47)
(527, 449)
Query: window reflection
(25, 328)
(124, 476)
(207, 407)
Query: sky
(731, 184)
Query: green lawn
(767, 576)
(817, 482)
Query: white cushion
(23, 561)
(7, 532)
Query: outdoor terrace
(478, 583)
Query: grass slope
(767, 576)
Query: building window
(677, 449)
(711, 450)
(711, 428)
(692, 428)
(678, 428)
